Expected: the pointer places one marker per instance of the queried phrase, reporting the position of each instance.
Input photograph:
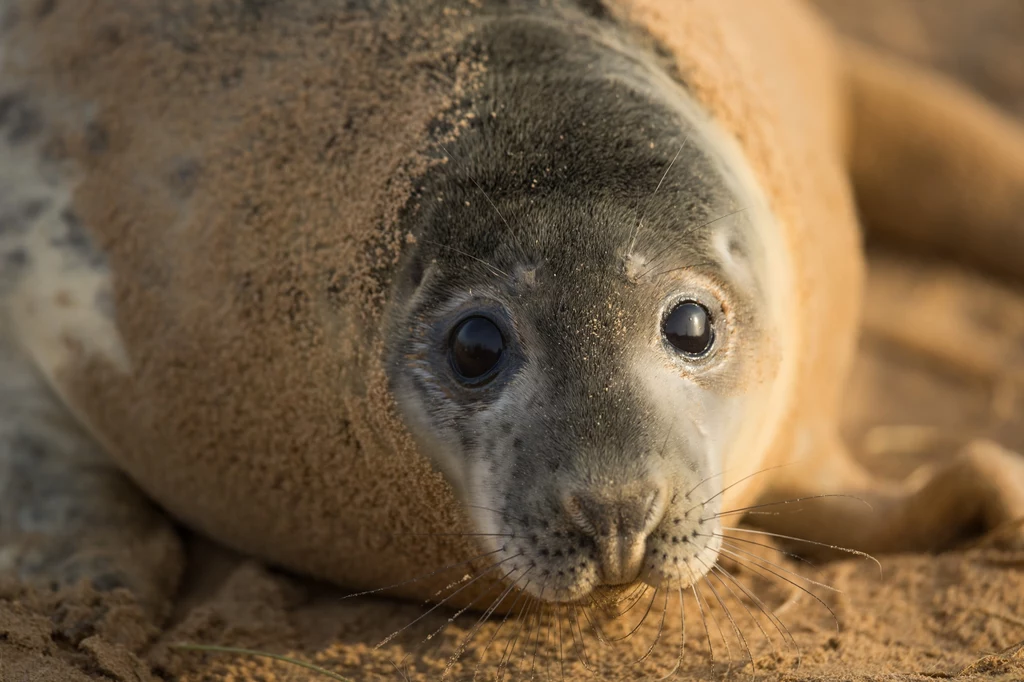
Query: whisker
(508, 613)
(735, 627)
(664, 175)
(736, 549)
(661, 629)
(735, 596)
(792, 501)
(461, 611)
(499, 513)
(704, 619)
(731, 485)
(682, 638)
(503, 663)
(490, 201)
(421, 577)
(581, 649)
(441, 603)
(536, 643)
(753, 566)
(718, 626)
(461, 648)
(561, 654)
(776, 622)
(687, 266)
(637, 626)
(593, 626)
(496, 269)
(547, 646)
(454, 535)
(639, 591)
(812, 542)
(791, 555)
(533, 620)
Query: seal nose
(619, 520)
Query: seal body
(247, 239)
(259, 275)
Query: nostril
(625, 511)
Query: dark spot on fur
(31, 210)
(97, 140)
(232, 78)
(18, 258)
(185, 178)
(594, 8)
(112, 36)
(439, 128)
(736, 248)
(20, 220)
(254, 10)
(517, 443)
(77, 239)
(506, 427)
(298, 302)
(108, 582)
(45, 8)
(23, 121)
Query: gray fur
(571, 135)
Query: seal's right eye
(475, 348)
(688, 328)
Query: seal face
(579, 330)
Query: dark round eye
(688, 328)
(476, 346)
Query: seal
(574, 279)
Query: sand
(956, 615)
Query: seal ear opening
(934, 167)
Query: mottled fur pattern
(67, 514)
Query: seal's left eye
(688, 328)
(475, 348)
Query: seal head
(579, 332)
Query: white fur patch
(53, 305)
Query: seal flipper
(66, 513)
(935, 507)
(935, 168)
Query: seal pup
(597, 264)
